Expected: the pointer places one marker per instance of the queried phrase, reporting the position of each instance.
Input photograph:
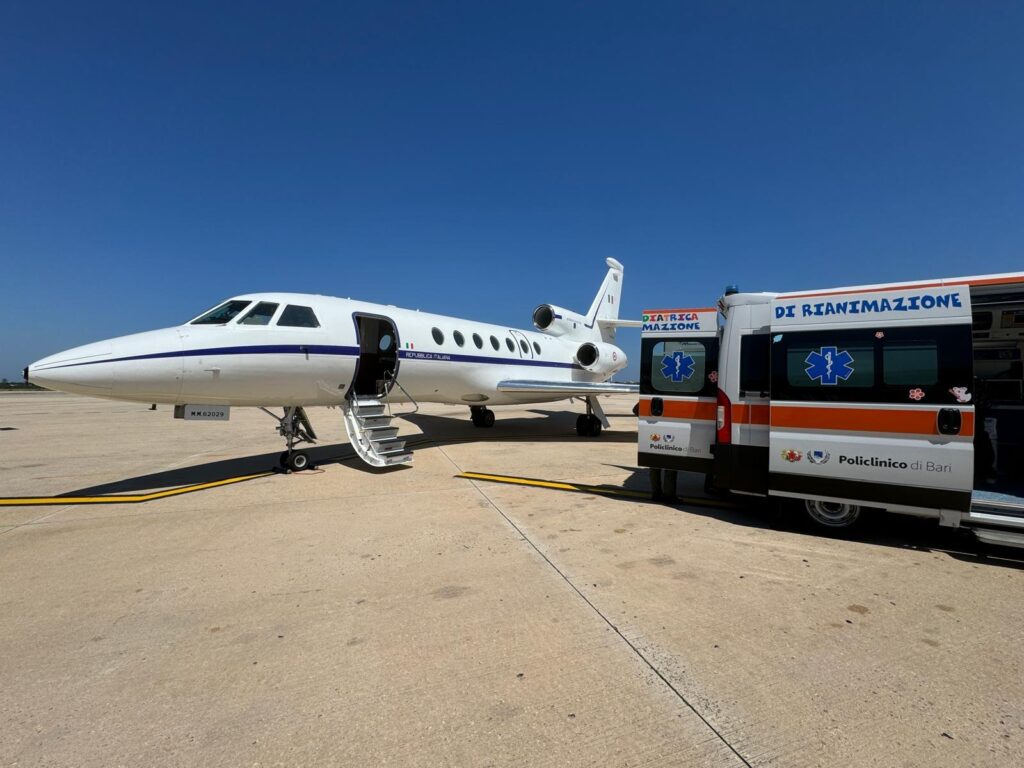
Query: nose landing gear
(295, 428)
(482, 416)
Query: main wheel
(298, 461)
(595, 427)
(832, 515)
(582, 425)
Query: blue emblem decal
(678, 366)
(829, 365)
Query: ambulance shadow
(883, 529)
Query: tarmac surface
(409, 617)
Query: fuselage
(273, 363)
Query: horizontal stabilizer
(610, 323)
(568, 388)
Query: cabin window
(260, 314)
(224, 313)
(495, 344)
(295, 316)
(755, 364)
(438, 336)
(459, 338)
(524, 346)
(510, 345)
(478, 341)
(536, 347)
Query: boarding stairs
(375, 439)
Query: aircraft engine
(556, 321)
(599, 357)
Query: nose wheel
(482, 417)
(295, 461)
(295, 428)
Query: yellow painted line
(599, 490)
(38, 501)
(576, 487)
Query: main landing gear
(295, 428)
(589, 424)
(482, 416)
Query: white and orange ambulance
(904, 397)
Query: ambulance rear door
(871, 400)
(678, 386)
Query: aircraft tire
(595, 427)
(298, 461)
(487, 418)
(582, 427)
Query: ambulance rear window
(678, 367)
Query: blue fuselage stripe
(319, 349)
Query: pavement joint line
(639, 654)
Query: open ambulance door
(871, 402)
(678, 387)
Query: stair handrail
(394, 380)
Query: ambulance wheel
(832, 515)
(298, 461)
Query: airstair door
(871, 401)
(377, 366)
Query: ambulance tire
(832, 516)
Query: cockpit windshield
(224, 313)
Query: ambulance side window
(910, 363)
(755, 364)
(920, 364)
(679, 367)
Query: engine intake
(556, 321)
(599, 357)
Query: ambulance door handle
(657, 406)
(949, 421)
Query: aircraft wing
(568, 388)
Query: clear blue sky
(477, 159)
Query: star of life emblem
(829, 365)
(677, 367)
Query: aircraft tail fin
(604, 311)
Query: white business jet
(294, 350)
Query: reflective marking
(40, 501)
(598, 490)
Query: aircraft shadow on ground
(437, 430)
(879, 529)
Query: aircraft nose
(81, 370)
